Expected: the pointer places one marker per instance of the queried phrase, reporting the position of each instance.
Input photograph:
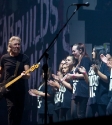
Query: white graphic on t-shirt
(75, 81)
(59, 96)
(110, 85)
(74, 85)
(39, 100)
(93, 82)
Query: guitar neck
(14, 80)
(32, 68)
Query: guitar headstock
(33, 67)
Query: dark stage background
(37, 22)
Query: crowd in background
(80, 89)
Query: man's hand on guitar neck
(25, 75)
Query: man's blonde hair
(10, 42)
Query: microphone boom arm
(45, 53)
(58, 34)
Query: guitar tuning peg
(37, 65)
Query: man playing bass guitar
(15, 95)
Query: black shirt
(8, 63)
(93, 84)
(63, 97)
(103, 87)
(82, 88)
(50, 100)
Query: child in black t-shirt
(64, 93)
(40, 93)
(98, 86)
(81, 87)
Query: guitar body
(3, 88)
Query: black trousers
(73, 110)
(41, 119)
(63, 114)
(78, 107)
(109, 108)
(15, 107)
(92, 110)
(96, 110)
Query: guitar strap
(16, 69)
(17, 66)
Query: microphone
(82, 4)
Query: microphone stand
(45, 67)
